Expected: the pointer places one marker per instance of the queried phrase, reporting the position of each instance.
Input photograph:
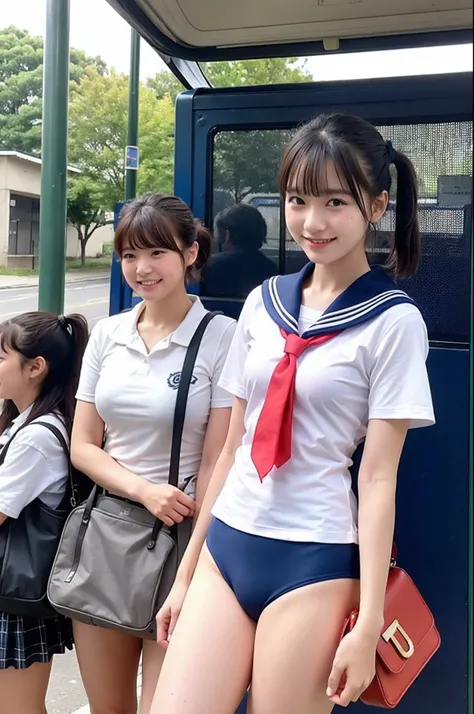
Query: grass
(102, 263)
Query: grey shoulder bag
(116, 562)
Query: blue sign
(131, 157)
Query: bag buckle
(390, 636)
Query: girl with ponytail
(321, 362)
(40, 360)
(124, 418)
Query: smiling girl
(321, 361)
(127, 393)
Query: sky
(98, 30)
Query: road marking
(15, 298)
(89, 303)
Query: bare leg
(24, 690)
(208, 663)
(108, 661)
(152, 660)
(295, 644)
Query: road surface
(66, 694)
(89, 298)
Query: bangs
(305, 168)
(9, 333)
(143, 227)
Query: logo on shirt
(175, 378)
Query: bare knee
(108, 662)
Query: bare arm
(216, 433)
(3, 518)
(377, 486)
(219, 475)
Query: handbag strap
(178, 425)
(182, 396)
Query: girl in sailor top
(320, 362)
(40, 359)
(127, 392)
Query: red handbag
(408, 641)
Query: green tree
(237, 73)
(21, 87)
(164, 84)
(258, 72)
(84, 210)
(98, 132)
(245, 162)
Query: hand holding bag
(116, 562)
(408, 641)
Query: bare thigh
(208, 663)
(152, 659)
(295, 643)
(24, 690)
(108, 661)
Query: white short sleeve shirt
(134, 390)
(374, 371)
(35, 465)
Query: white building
(20, 188)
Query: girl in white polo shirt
(321, 361)
(127, 392)
(40, 358)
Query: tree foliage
(84, 210)
(244, 162)
(98, 134)
(21, 87)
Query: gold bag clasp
(406, 648)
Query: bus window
(245, 212)
(441, 285)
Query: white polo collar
(21, 418)
(126, 332)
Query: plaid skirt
(25, 640)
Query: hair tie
(392, 153)
(63, 321)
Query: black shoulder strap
(57, 433)
(182, 396)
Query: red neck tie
(271, 444)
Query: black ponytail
(406, 248)
(362, 159)
(61, 342)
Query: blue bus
(427, 117)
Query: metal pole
(133, 104)
(52, 241)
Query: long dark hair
(155, 220)
(61, 342)
(362, 159)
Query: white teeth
(148, 282)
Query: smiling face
(156, 241)
(156, 273)
(334, 179)
(329, 226)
